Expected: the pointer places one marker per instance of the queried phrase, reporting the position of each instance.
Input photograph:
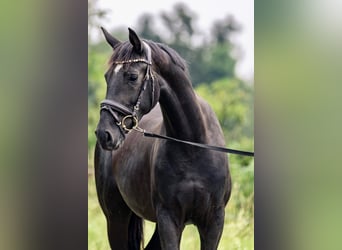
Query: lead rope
(196, 144)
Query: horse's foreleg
(211, 230)
(170, 229)
(118, 214)
(118, 217)
(117, 228)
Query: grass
(238, 231)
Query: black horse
(162, 181)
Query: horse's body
(162, 181)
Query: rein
(111, 106)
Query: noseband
(131, 115)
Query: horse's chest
(196, 173)
(133, 181)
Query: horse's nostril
(108, 136)
(104, 135)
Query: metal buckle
(134, 120)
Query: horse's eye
(133, 77)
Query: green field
(239, 221)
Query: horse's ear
(109, 38)
(135, 41)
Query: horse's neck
(181, 110)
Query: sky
(127, 12)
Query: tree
(222, 29)
(209, 59)
(95, 15)
(146, 30)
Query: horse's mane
(175, 57)
(124, 51)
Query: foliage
(232, 99)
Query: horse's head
(131, 90)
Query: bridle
(131, 115)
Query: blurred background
(216, 38)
